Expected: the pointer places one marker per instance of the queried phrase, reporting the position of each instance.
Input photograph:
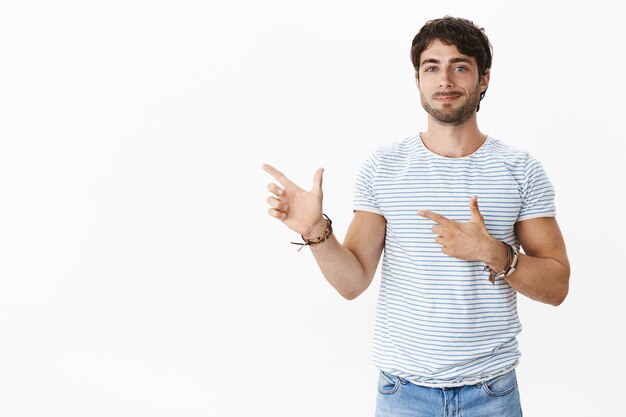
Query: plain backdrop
(140, 274)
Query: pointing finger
(436, 217)
(279, 176)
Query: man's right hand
(300, 210)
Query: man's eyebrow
(459, 59)
(451, 61)
(430, 61)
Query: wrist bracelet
(512, 256)
(312, 242)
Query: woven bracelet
(313, 242)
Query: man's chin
(450, 122)
(448, 117)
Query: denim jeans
(498, 397)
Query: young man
(451, 208)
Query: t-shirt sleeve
(364, 197)
(537, 192)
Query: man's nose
(444, 81)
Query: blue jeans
(498, 397)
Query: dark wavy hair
(468, 38)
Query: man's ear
(484, 80)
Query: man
(451, 208)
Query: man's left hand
(469, 240)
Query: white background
(140, 274)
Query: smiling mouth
(447, 97)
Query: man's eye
(430, 69)
(460, 69)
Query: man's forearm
(542, 279)
(341, 268)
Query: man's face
(449, 83)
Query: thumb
(317, 181)
(476, 216)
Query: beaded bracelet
(313, 242)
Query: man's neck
(453, 141)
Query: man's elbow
(561, 295)
(558, 300)
(357, 287)
(350, 295)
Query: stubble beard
(449, 115)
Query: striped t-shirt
(439, 321)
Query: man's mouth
(447, 97)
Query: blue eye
(461, 69)
(430, 69)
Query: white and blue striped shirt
(439, 321)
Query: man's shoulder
(398, 148)
(392, 154)
(508, 154)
